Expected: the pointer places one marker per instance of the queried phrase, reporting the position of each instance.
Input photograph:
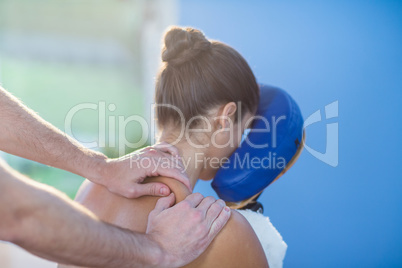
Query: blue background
(320, 52)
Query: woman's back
(236, 245)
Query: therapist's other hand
(185, 230)
(124, 175)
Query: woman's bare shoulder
(235, 246)
(83, 190)
(178, 188)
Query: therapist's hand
(124, 175)
(185, 230)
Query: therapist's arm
(50, 225)
(26, 134)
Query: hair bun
(183, 44)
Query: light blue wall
(320, 52)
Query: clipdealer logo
(331, 154)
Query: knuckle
(172, 149)
(198, 195)
(223, 203)
(218, 206)
(210, 198)
(152, 152)
(132, 192)
(153, 189)
(185, 204)
(197, 215)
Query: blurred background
(57, 54)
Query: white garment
(270, 239)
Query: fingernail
(227, 209)
(163, 191)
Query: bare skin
(33, 216)
(236, 245)
(26, 134)
(45, 222)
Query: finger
(152, 189)
(167, 148)
(164, 203)
(194, 199)
(175, 169)
(176, 161)
(174, 173)
(158, 156)
(219, 223)
(214, 211)
(147, 148)
(206, 204)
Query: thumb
(152, 188)
(164, 203)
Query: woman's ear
(226, 115)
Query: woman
(206, 95)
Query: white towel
(270, 239)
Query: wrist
(154, 254)
(97, 168)
(160, 258)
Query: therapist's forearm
(24, 133)
(48, 224)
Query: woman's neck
(193, 158)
